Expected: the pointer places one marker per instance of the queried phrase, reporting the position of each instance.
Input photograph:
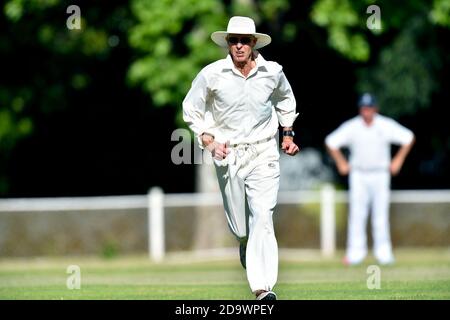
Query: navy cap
(367, 100)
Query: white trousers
(369, 191)
(249, 196)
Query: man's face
(240, 46)
(368, 112)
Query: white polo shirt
(370, 146)
(234, 108)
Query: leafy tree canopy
(173, 39)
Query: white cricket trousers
(369, 191)
(249, 198)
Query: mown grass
(418, 274)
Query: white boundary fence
(156, 201)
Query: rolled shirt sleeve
(284, 102)
(399, 134)
(338, 138)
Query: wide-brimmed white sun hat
(241, 25)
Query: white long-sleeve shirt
(234, 108)
(369, 145)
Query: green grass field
(418, 274)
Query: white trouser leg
(359, 210)
(262, 249)
(250, 196)
(380, 185)
(233, 196)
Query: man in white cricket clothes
(234, 107)
(368, 137)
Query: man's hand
(341, 162)
(396, 165)
(399, 158)
(218, 150)
(343, 168)
(289, 147)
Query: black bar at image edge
(218, 309)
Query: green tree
(172, 38)
(400, 61)
(43, 63)
(404, 76)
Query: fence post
(155, 212)
(327, 221)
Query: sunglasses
(236, 40)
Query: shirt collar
(260, 63)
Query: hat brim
(219, 38)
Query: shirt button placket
(244, 93)
(244, 102)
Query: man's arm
(194, 110)
(285, 108)
(400, 156)
(284, 102)
(194, 116)
(341, 163)
(340, 138)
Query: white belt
(248, 144)
(242, 154)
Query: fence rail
(156, 201)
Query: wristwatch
(288, 133)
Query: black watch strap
(288, 133)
